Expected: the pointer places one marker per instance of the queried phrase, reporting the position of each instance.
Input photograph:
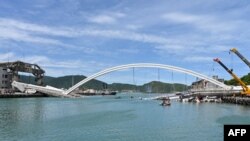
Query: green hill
(67, 81)
(245, 79)
(121, 86)
(161, 87)
(31, 79)
(151, 87)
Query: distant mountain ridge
(67, 81)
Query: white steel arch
(147, 65)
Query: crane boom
(234, 50)
(245, 88)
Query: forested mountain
(245, 79)
(66, 82)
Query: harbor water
(115, 118)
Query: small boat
(166, 102)
(109, 93)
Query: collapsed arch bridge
(146, 65)
(65, 93)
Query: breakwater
(22, 95)
(236, 100)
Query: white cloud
(17, 35)
(204, 22)
(176, 47)
(102, 19)
(198, 59)
(34, 28)
(14, 30)
(118, 14)
(35, 33)
(129, 50)
(133, 27)
(4, 57)
(27, 32)
(19, 31)
(126, 35)
(220, 48)
(174, 36)
(108, 18)
(22, 31)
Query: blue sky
(85, 36)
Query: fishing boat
(165, 102)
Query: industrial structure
(9, 73)
(204, 84)
(203, 87)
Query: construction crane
(234, 50)
(245, 88)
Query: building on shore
(204, 84)
(5, 78)
(9, 73)
(5, 81)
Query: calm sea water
(110, 119)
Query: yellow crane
(234, 50)
(245, 88)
